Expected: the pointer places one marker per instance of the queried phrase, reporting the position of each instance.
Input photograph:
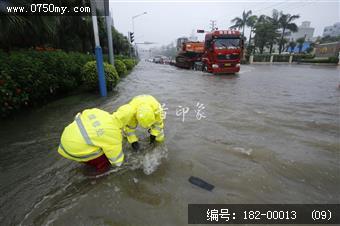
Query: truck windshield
(227, 43)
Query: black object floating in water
(201, 183)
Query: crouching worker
(147, 113)
(95, 138)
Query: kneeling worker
(95, 137)
(148, 113)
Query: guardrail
(289, 58)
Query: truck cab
(223, 50)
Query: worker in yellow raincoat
(147, 113)
(95, 137)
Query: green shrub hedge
(120, 67)
(90, 76)
(331, 60)
(32, 77)
(266, 58)
(298, 57)
(261, 58)
(303, 58)
(281, 58)
(129, 63)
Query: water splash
(148, 158)
(153, 159)
(243, 150)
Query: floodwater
(269, 135)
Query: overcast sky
(166, 20)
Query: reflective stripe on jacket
(93, 132)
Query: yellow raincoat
(157, 126)
(95, 132)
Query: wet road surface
(270, 135)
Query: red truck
(222, 52)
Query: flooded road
(270, 135)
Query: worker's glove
(135, 146)
(152, 139)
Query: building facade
(327, 49)
(332, 31)
(304, 30)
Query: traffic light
(131, 37)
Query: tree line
(268, 30)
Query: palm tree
(285, 22)
(241, 23)
(285, 41)
(41, 30)
(11, 27)
(274, 20)
(251, 23)
(26, 31)
(265, 33)
(62, 32)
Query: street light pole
(109, 31)
(133, 25)
(99, 53)
(134, 17)
(133, 29)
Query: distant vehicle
(221, 53)
(161, 60)
(172, 62)
(165, 60)
(157, 59)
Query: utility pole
(213, 25)
(98, 50)
(130, 52)
(133, 30)
(109, 31)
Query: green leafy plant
(333, 59)
(120, 67)
(12, 96)
(330, 60)
(281, 58)
(129, 63)
(261, 58)
(90, 76)
(29, 78)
